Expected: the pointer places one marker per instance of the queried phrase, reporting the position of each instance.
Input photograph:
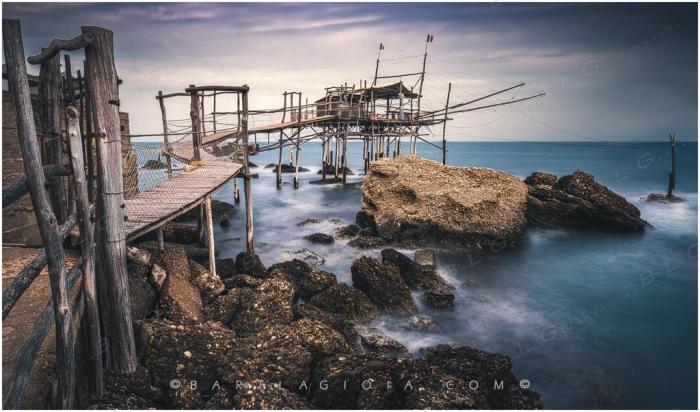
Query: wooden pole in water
(298, 146)
(279, 160)
(51, 114)
(87, 244)
(102, 76)
(444, 126)
(236, 192)
(345, 154)
(323, 154)
(672, 176)
(166, 138)
(211, 246)
(337, 147)
(246, 180)
(46, 219)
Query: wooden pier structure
(108, 194)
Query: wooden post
(89, 147)
(194, 116)
(46, 220)
(214, 112)
(236, 192)
(345, 154)
(672, 176)
(279, 160)
(298, 146)
(102, 77)
(444, 126)
(159, 236)
(323, 154)
(166, 138)
(50, 92)
(336, 161)
(246, 179)
(87, 243)
(211, 246)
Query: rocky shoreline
(290, 336)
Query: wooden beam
(211, 246)
(15, 190)
(104, 97)
(164, 119)
(57, 45)
(46, 220)
(87, 247)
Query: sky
(611, 72)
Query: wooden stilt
(194, 116)
(166, 138)
(246, 182)
(279, 159)
(444, 126)
(672, 176)
(236, 192)
(211, 246)
(345, 154)
(159, 236)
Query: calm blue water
(593, 320)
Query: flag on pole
(381, 46)
(430, 38)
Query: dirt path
(20, 322)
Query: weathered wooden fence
(97, 304)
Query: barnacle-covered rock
(208, 284)
(346, 301)
(383, 285)
(267, 396)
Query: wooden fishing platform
(147, 211)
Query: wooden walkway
(149, 210)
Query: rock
(270, 165)
(154, 164)
(367, 242)
(209, 285)
(330, 170)
(364, 220)
(226, 268)
(225, 223)
(307, 280)
(318, 338)
(423, 324)
(421, 202)
(336, 221)
(270, 303)
(309, 256)
(158, 276)
(541, 179)
(439, 297)
(266, 396)
(224, 307)
(657, 197)
(129, 391)
(415, 276)
(337, 322)
(250, 265)
(577, 200)
(138, 256)
(346, 301)
(347, 231)
(143, 297)
(242, 281)
(377, 341)
(288, 168)
(320, 238)
(180, 233)
(308, 222)
(383, 285)
(180, 300)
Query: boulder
(577, 200)
(421, 202)
(224, 307)
(320, 238)
(138, 256)
(226, 267)
(180, 233)
(180, 301)
(441, 297)
(250, 264)
(263, 395)
(330, 170)
(335, 321)
(270, 303)
(347, 302)
(364, 220)
(347, 231)
(220, 211)
(143, 296)
(423, 323)
(208, 284)
(377, 341)
(308, 280)
(383, 285)
(541, 179)
(288, 168)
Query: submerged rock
(577, 200)
(422, 202)
(330, 170)
(367, 242)
(347, 231)
(320, 238)
(657, 197)
(287, 168)
(423, 323)
(309, 221)
(383, 285)
(346, 301)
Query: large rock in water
(417, 201)
(578, 200)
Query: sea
(590, 318)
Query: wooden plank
(13, 191)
